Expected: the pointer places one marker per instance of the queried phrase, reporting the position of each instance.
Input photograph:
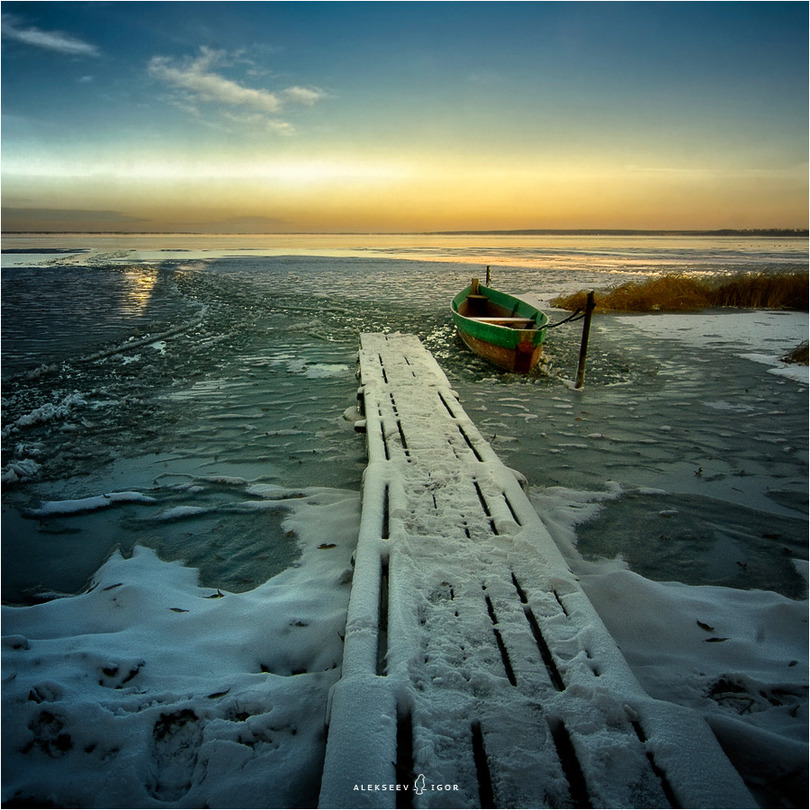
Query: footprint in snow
(176, 739)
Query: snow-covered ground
(151, 691)
(764, 336)
(738, 657)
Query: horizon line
(795, 232)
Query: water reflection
(139, 286)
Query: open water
(183, 369)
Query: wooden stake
(583, 349)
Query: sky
(397, 116)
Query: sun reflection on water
(140, 284)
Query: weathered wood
(583, 347)
(503, 329)
(473, 658)
(508, 320)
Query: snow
(746, 332)
(91, 504)
(181, 512)
(740, 658)
(19, 470)
(46, 413)
(456, 570)
(317, 370)
(151, 691)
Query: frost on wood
(474, 666)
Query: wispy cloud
(257, 121)
(199, 83)
(719, 171)
(56, 41)
(302, 95)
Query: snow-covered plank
(476, 672)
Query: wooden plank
(476, 672)
(505, 320)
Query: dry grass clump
(677, 292)
(763, 291)
(799, 355)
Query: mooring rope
(570, 319)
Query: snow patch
(150, 690)
(91, 504)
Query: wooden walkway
(476, 673)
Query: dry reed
(799, 355)
(677, 292)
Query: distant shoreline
(744, 232)
(795, 232)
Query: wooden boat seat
(505, 321)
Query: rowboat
(502, 329)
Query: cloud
(200, 84)
(302, 95)
(48, 40)
(259, 121)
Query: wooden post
(487, 275)
(583, 349)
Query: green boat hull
(504, 330)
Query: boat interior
(478, 307)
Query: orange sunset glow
(324, 117)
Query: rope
(570, 319)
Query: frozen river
(189, 397)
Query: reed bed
(799, 355)
(678, 292)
